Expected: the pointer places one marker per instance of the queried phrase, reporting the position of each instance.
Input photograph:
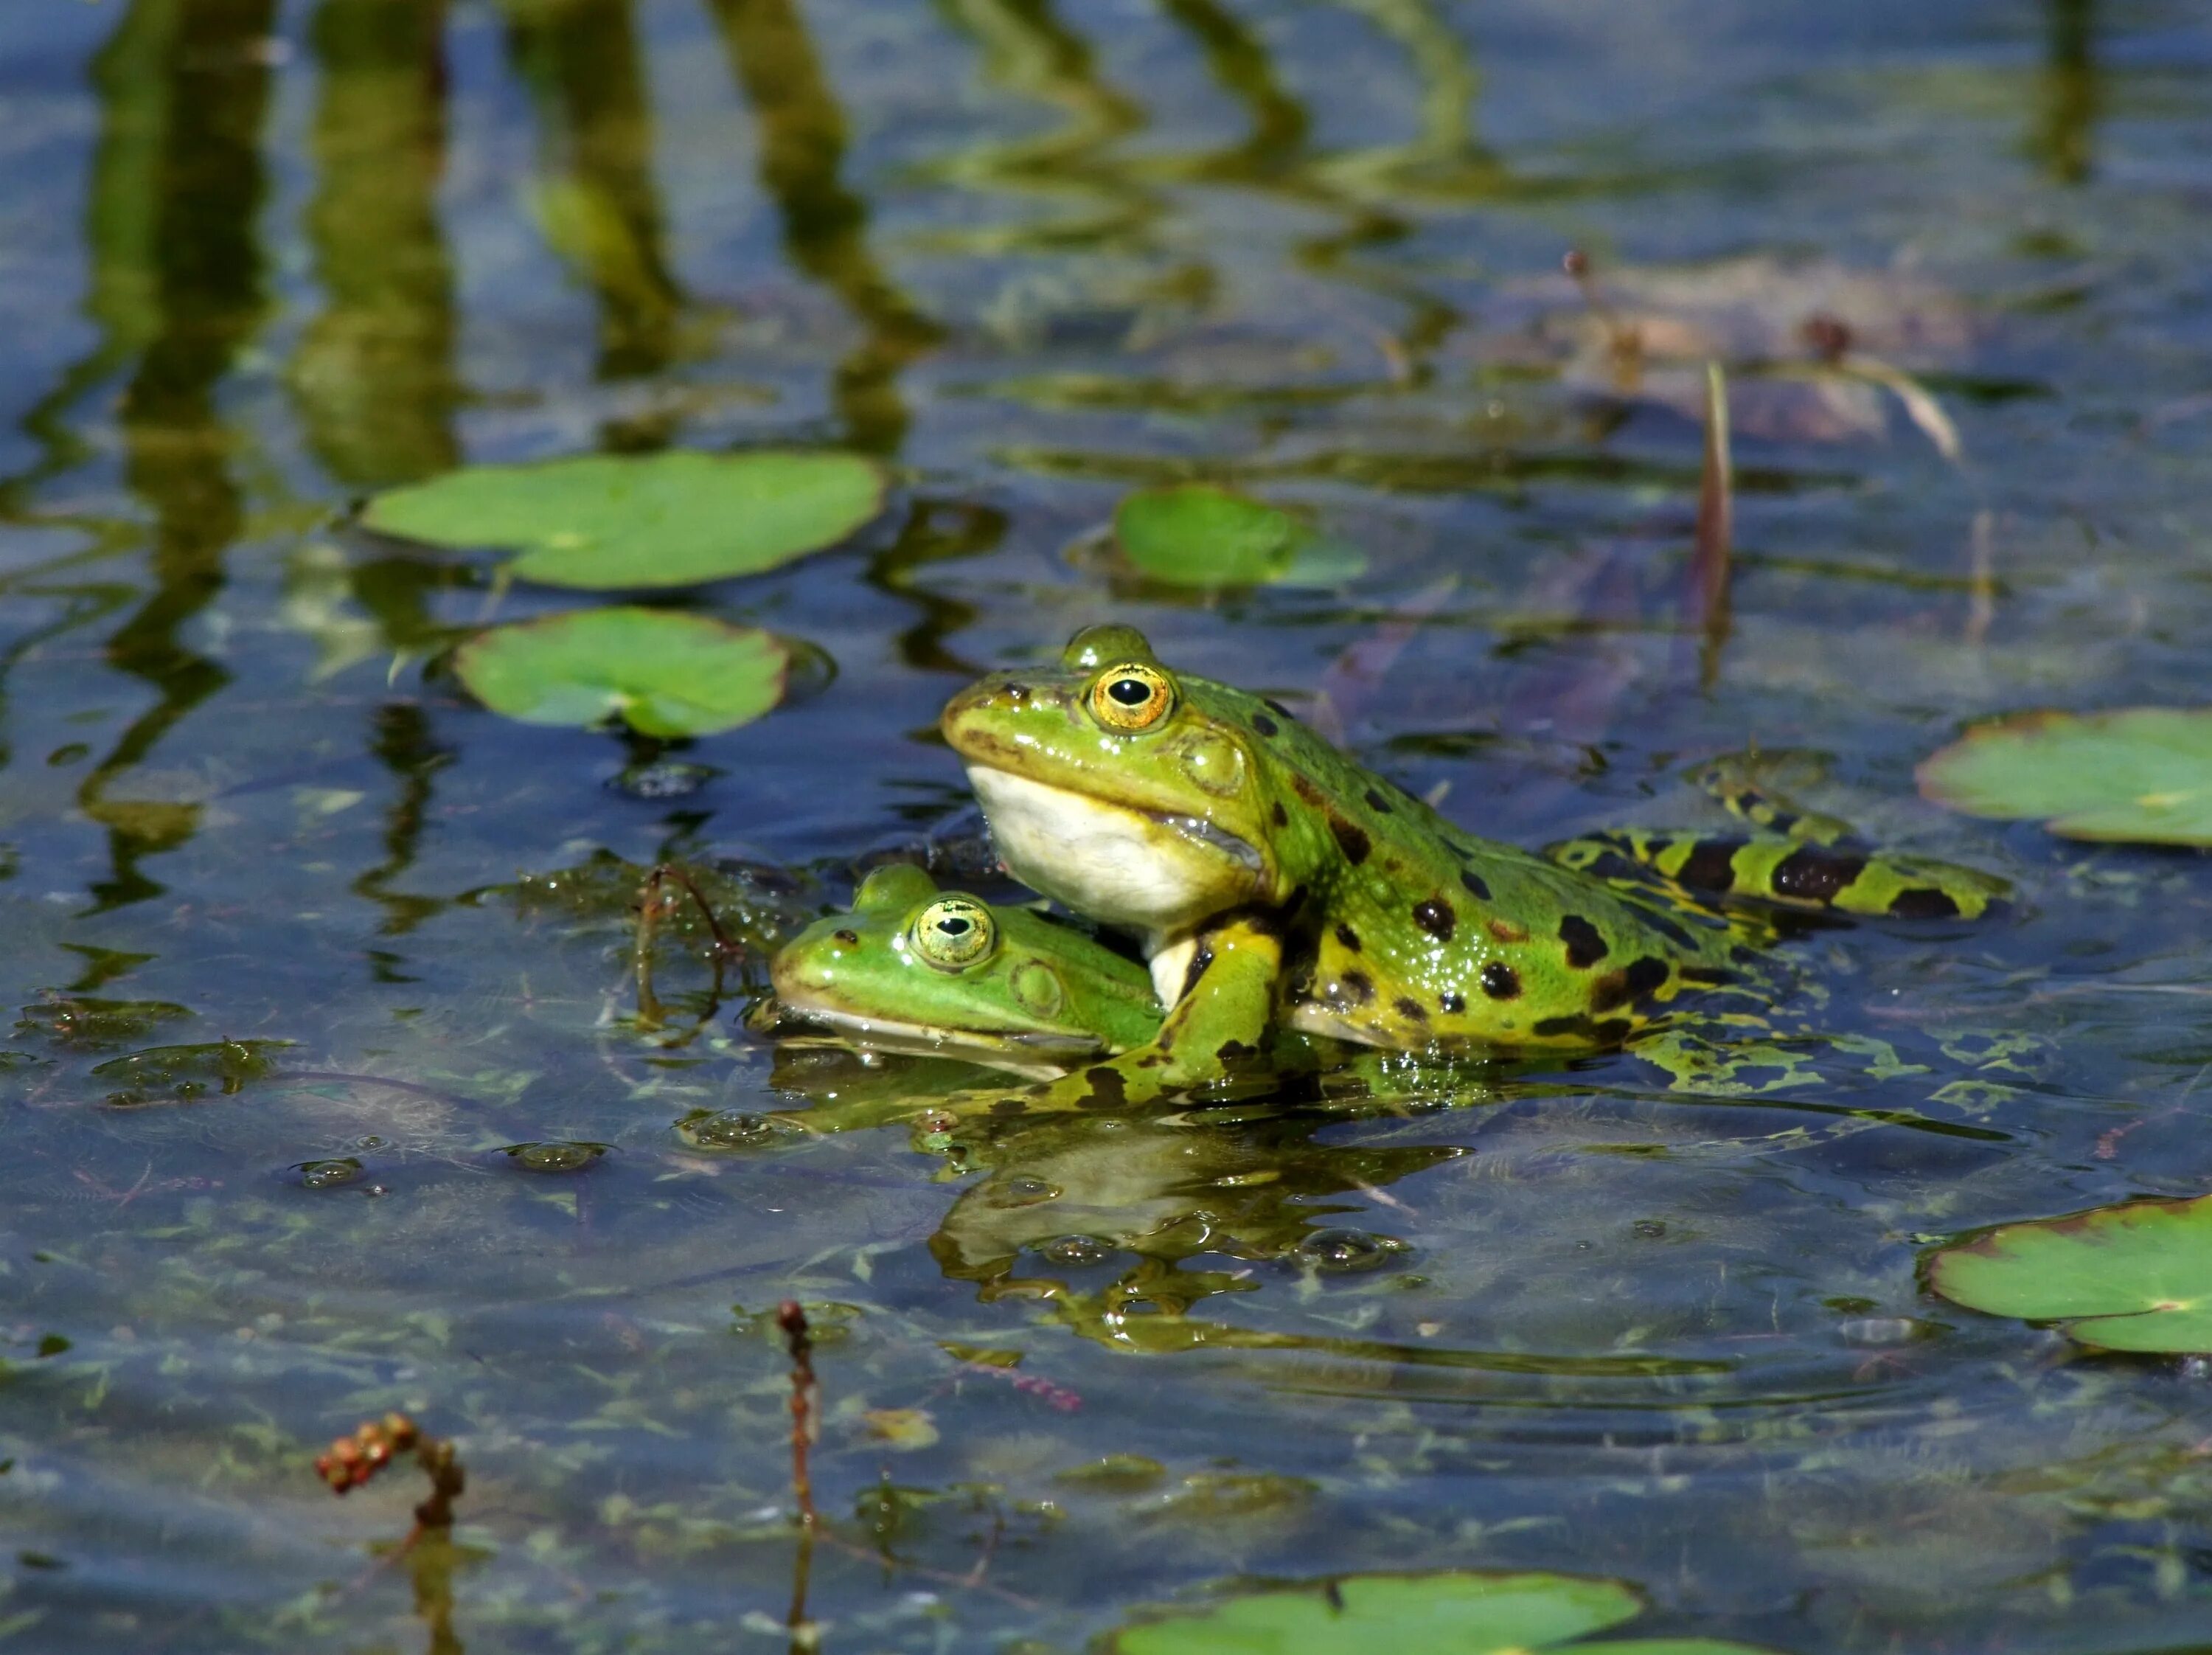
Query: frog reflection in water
(1276, 883)
(1098, 1215)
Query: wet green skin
(858, 976)
(1277, 883)
(1039, 998)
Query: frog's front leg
(1221, 1018)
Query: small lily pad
(2141, 773)
(605, 521)
(663, 674)
(1195, 534)
(1462, 1611)
(2134, 1277)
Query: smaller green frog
(913, 968)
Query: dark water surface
(257, 258)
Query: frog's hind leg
(1765, 865)
(1746, 800)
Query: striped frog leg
(1798, 859)
(1727, 780)
(1766, 867)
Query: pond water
(304, 945)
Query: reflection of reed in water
(826, 224)
(176, 289)
(2065, 138)
(403, 744)
(373, 374)
(1028, 50)
(595, 196)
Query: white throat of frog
(1151, 872)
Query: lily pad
(2134, 1277)
(663, 674)
(605, 521)
(2141, 773)
(1195, 534)
(1464, 1612)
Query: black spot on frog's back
(1348, 937)
(1107, 1090)
(1500, 981)
(1378, 803)
(1629, 983)
(1452, 1003)
(1814, 874)
(1476, 885)
(1356, 988)
(1923, 903)
(1711, 866)
(1411, 1009)
(1585, 947)
(1435, 917)
(1351, 838)
(1580, 1027)
(1265, 725)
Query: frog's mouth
(1036, 1053)
(1153, 870)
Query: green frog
(1276, 883)
(913, 968)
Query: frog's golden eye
(954, 932)
(1131, 698)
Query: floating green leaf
(663, 674)
(2133, 1277)
(1462, 1612)
(2142, 773)
(1197, 535)
(605, 521)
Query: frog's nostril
(1017, 693)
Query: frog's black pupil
(1130, 692)
(953, 926)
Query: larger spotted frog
(1275, 883)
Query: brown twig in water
(805, 1415)
(351, 1462)
(1981, 599)
(805, 1398)
(1707, 603)
(650, 903)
